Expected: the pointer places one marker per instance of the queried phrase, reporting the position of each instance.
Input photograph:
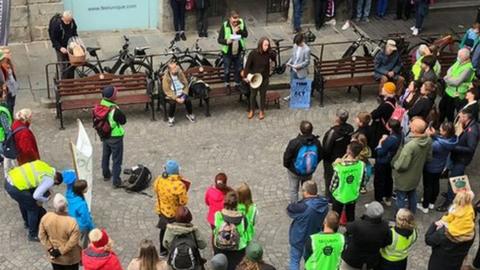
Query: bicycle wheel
(136, 67)
(351, 50)
(187, 62)
(86, 70)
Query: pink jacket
(214, 201)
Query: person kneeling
(175, 88)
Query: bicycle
(370, 47)
(196, 57)
(125, 62)
(446, 44)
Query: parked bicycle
(447, 44)
(196, 57)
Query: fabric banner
(83, 152)
(300, 93)
(4, 21)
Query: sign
(4, 21)
(460, 183)
(82, 159)
(113, 14)
(300, 93)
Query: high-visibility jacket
(228, 35)
(349, 181)
(455, 71)
(30, 175)
(326, 251)
(400, 246)
(117, 129)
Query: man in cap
(61, 29)
(113, 142)
(388, 66)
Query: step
(455, 4)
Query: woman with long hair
(248, 209)
(253, 259)
(147, 258)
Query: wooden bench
(349, 72)
(84, 93)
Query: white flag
(84, 153)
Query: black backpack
(9, 147)
(55, 20)
(184, 253)
(140, 178)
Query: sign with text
(113, 14)
(300, 92)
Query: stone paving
(247, 150)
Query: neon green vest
(30, 174)
(327, 251)
(250, 216)
(228, 34)
(417, 68)
(400, 246)
(350, 179)
(9, 116)
(456, 70)
(117, 129)
(240, 228)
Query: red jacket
(25, 143)
(98, 259)
(214, 200)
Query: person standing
(330, 240)
(382, 6)
(421, 11)
(5, 129)
(215, 196)
(232, 39)
(147, 258)
(8, 80)
(298, 6)
(472, 105)
(258, 61)
(301, 158)
(248, 208)
(171, 193)
(25, 142)
(59, 234)
(388, 66)
(113, 145)
(178, 10)
(254, 259)
(404, 9)
(381, 115)
(202, 19)
(29, 186)
(61, 29)
(300, 59)
(320, 9)
(308, 215)
(363, 10)
(408, 164)
(335, 142)
(100, 255)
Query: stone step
(455, 4)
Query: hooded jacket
(335, 142)
(408, 163)
(467, 143)
(214, 200)
(25, 143)
(385, 63)
(175, 229)
(99, 259)
(294, 145)
(441, 148)
(78, 209)
(308, 215)
(387, 150)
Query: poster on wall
(91, 15)
(4, 21)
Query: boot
(250, 114)
(261, 115)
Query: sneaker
(366, 19)
(387, 202)
(431, 206)
(363, 190)
(420, 207)
(331, 22)
(287, 98)
(346, 25)
(171, 121)
(415, 32)
(182, 36)
(191, 117)
(413, 27)
(33, 238)
(205, 34)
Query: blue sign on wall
(300, 93)
(113, 14)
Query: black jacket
(221, 37)
(422, 108)
(62, 33)
(294, 145)
(446, 255)
(335, 141)
(365, 237)
(473, 109)
(467, 143)
(201, 4)
(380, 117)
(368, 132)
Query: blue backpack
(307, 159)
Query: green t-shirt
(327, 251)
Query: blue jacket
(308, 215)
(78, 209)
(467, 143)
(385, 63)
(388, 149)
(441, 148)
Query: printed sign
(460, 183)
(300, 93)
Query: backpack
(227, 237)
(100, 121)
(55, 20)
(9, 147)
(398, 113)
(140, 178)
(307, 159)
(184, 254)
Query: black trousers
(431, 187)
(263, 96)
(448, 106)
(327, 175)
(66, 70)
(202, 20)
(320, 7)
(178, 9)
(173, 106)
(382, 181)
(404, 9)
(65, 267)
(349, 209)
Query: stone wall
(29, 19)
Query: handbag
(189, 5)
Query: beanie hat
(69, 176)
(103, 241)
(59, 202)
(219, 262)
(254, 252)
(374, 210)
(171, 167)
(390, 88)
(109, 92)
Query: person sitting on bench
(388, 66)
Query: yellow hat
(390, 88)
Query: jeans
(297, 14)
(448, 105)
(382, 7)
(202, 20)
(456, 169)
(178, 9)
(363, 8)
(327, 175)
(295, 182)
(421, 10)
(431, 187)
(112, 147)
(349, 209)
(228, 60)
(172, 106)
(31, 212)
(263, 96)
(65, 267)
(320, 7)
(295, 258)
(382, 181)
(404, 8)
(412, 200)
(66, 70)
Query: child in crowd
(214, 197)
(460, 220)
(364, 155)
(248, 209)
(362, 121)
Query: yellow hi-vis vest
(30, 175)
(400, 246)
